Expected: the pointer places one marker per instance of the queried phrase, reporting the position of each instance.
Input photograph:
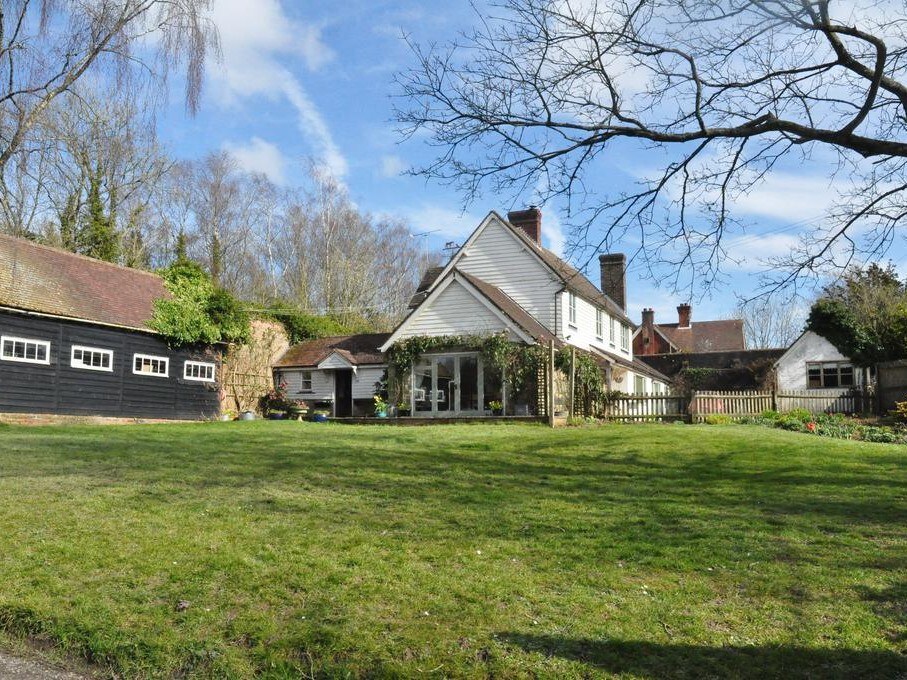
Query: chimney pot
(529, 220)
(684, 314)
(614, 277)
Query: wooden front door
(343, 393)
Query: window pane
(814, 377)
(830, 376)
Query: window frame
(639, 380)
(303, 380)
(94, 350)
(599, 324)
(624, 337)
(571, 309)
(823, 366)
(23, 360)
(152, 357)
(202, 364)
(612, 332)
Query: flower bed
(835, 425)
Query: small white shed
(813, 363)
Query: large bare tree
(47, 46)
(721, 92)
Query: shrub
(880, 435)
(718, 419)
(900, 411)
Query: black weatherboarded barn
(74, 340)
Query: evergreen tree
(97, 235)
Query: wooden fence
(635, 407)
(732, 404)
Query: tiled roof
(357, 349)
(706, 336)
(52, 281)
(508, 306)
(428, 278)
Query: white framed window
(639, 384)
(305, 381)
(25, 350)
(625, 337)
(148, 364)
(200, 371)
(91, 358)
(572, 308)
(599, 324)
(829, 374)
(612, 333)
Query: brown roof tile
(357, 349)
(52, 281)
(706, 336)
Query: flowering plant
(380, 404)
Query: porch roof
(358, 350)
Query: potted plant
(380, 407)
(403, 409)
(497, 408)
(296, 410)
(321, 411)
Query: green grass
(506, 551)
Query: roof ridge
(63, 251)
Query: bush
(718, 419)
(900, 411)
(880, 435)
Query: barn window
(25, 350)
(91, 358)
(146, 364)
(198, 370)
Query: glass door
(448, 385)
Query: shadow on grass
(656, 660)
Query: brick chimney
(530, 221)
(614, 277)
(647, 332)
(684, 313)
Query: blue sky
(314, 80)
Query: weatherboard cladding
(454, 311)
(58, 388)
(56, 282)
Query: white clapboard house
(501, 280)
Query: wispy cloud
(258, 155)
(788, 196)
(392, 166)
(257, 38)
(445, 222)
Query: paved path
(14, 668)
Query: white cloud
(392, 166)
(257, 155)
(256, 39)
(751, 253)
(788, 196)
(447, 223)
(553, 233)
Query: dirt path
(16, 668)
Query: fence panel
(820, 401)
(733, 404)
(640, 407)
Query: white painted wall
(455, 311)
(364, 380)
(322, 384)
(791, 367)
(503, 260)
(582, 333)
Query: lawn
(302, 549)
